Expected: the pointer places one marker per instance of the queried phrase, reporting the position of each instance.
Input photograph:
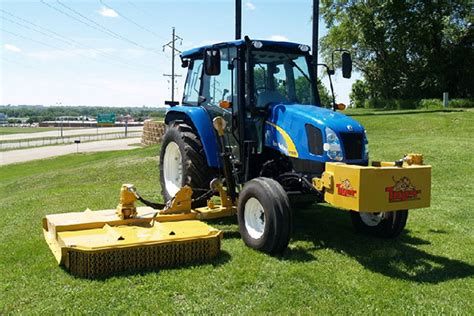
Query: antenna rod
(238, 19)
(315, 33)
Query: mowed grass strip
(327, 268)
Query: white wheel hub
(254, 217)
(372, 219)
(172, 168)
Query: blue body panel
(292, 118)
(201, 120)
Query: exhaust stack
(238, 19)
(315, 33)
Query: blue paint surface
(292, 118)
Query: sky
(110, 52)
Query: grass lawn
(24, 130)
(326, 270)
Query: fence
(47, 141)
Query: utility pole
(315, 34)
(174, 53)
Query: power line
(32, 40)
(61, 49)
(63, 39)
(174, 53)
(131, 21)
(105, 28)
(100, 29)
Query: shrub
(461, 103)
(390, 104)
(430, 104)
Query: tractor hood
(288, 127)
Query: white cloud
(280, 38)
(250, 6)
(12, 48)
(108, 12)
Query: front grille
(353, 145)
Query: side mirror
(212, 62)
(346, 65)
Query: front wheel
(183, 162)
(264, 216)
(380, 224)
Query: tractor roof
(287, 47)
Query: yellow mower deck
(95, 244)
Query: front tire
(382, 224)
(264, 215)
(183, 162)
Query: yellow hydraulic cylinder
(126, 208)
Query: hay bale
(153, 132)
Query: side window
(193, 82)
(219, 88)
(280, 79)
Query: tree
(360, 92)
(405, 49)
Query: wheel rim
(172, 168)
(254, 217)
(372, 219)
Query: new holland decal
(402, 190)
(345, 189)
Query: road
(38, 142)
(22, 155)
(68, 132)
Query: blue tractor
(278, 136)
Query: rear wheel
(264, 215)
(183, 162)
(381, 224)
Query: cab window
(193, 82)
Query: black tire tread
(197, 174)
(280, 226)
(389, 228)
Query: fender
(200, 120)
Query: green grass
(326, 270)
(24, 130)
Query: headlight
(366, 146)
(332, 147)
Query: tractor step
(95, 244)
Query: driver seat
(269, 96)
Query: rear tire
(382, 224)
(183, 162)
(264, 215)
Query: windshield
(281, 77)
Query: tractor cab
(240, 80)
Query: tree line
(38, 113)
(407, 50)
